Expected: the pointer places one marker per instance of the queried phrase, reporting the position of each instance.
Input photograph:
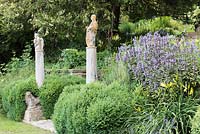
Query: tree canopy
(62, 22)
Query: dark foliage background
(62, 23)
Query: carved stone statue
(39, 59)
(91, 32)
(38, 42)
(33, 111)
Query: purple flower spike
(152, 58)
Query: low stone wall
(78, 72)
(193, 35)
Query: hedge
(13, 97)
(92, 109)
(52, 88)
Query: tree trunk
(115, 18)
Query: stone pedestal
(91, 64)
(39, 68)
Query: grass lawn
(11, 127)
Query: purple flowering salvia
(153, 59)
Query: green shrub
(93, 109)
(72, 88)
(196, 122)
(115, 72)
(15, 73)
(17, 63)
(164, 24)
(60, 116)
(103, 58)
(53, 86)
(13, 97)
(71, 58)
(195, 17)
(164, 112)
(1, 105)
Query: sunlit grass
(11, 127)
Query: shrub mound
(52, 88)
(93, 108)
(13, 97)
(164, 25)
(72, 58)
(1, 105)
(196, 122)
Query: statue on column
(91, 32)
(38, 43)
(39, 59)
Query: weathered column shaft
(39, 68)
(91, 64)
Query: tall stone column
(91, 56)
(91, 64)
(39, 60)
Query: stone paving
(44, 124)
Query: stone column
(91, 64)
(91, 56)
(39, 60)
